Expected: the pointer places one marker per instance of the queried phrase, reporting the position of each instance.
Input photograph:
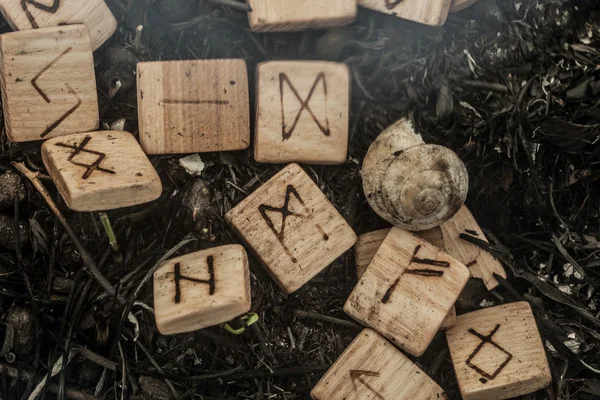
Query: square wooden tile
(33, 14)
(372, 368)
(428, 12)
(275, 15)
(498, 353)
(407, 291)
(367, 245)
(48, 83)
(302, 112)
(292, 228)
(202, 289)
(104, 170)
(481, 263)
(193, 106)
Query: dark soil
(512, 86)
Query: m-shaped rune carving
(487, 339)
(304, 105)
(79, 149)
(40, 6)
(285, 214)
(210, 261)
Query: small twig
(326, 318)
(112, 239)
(263, 373)
(236, 5)
(33, 177)
(494, 87)
(568, 257)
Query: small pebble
(153, 389)
(11, 186)
(7, 232)
(23, 323)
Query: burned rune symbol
(210, 281)
(390, 4)
(285, 214)
(304, 105)
(487, 339)
(49, 9)
(34, 83)
(187, 102)
(79, 149)
(358, 376)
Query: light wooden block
(48, 83)
(292, 228)
(459, 5)
(372, 368)
(481, 263)
(104, 170)
(429, 12)
(498, 353)
(33, 14)
(278, 16)
(302, 112)
(407, 291)
(202, 289)
(193, 106)
(367, 245)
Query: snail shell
(411, 184)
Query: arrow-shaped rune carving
(358, 376)
(34, 83)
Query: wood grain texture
(509, 362)
(367, 245)
(278, 16)
(48, 83)
(29, 14)
(429, 12)
(104, 170)
(407, 291)
(292, 228)
(193, 106)
(481, 263)
(459, 5)
(202, 289)
(287, 130)
(371, 368)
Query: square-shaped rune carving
(372, 368)
(33, 14)
(498, 353)
(302, 112)
(48, 83)
(407, 291)
(193, 106)
(292, 227)
(276, 15)
(97, 171)
(369, 243)
(202, 289)
(429, 12)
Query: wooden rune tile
(498, 353)
(407, 291)
(104, 170)
(292, 228)
(278, 16)
(481, 263)
(367, 245)
(193, 106)
(34, 14)
(429, 12)
(202, 289)
(48, 83)
(371, 368)
(302, 112)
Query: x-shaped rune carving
(49, 9)
(210, 261)
(304, 105)
(285, 214)
(80, 148)
(487, 339)
(390, 4)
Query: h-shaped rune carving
(210, 261)
(285, 214)
(304, 105)
(49, 9)
(44, 95)
(80, 148)
(487, 339)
